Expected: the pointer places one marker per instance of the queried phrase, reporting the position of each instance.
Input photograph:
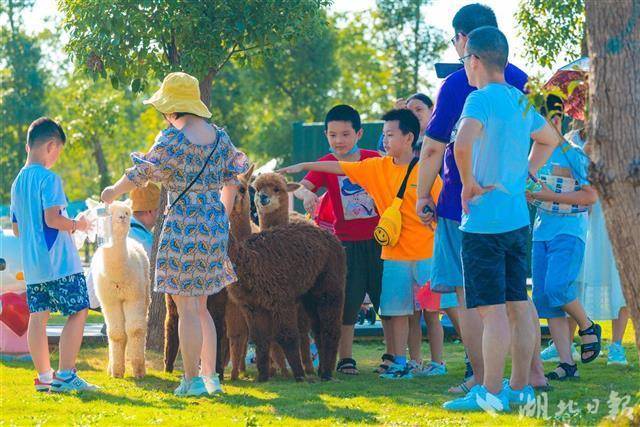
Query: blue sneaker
(71, 383)
(616, 355)
(430, 369)
(193, 387)
(397, 372)
(519, 397)
(479, 399)
(550, 354)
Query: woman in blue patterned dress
(192, 260)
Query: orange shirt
(381, 178)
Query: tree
(552, 30)
(133, 42)
(613, 34)
(22, 94)
(366, 75)
(409, 40)
(103, 126)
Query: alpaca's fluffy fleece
(121, 275)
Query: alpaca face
(120, 217)
(272, 192)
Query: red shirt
(354, 211)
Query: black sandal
(382, 368)
(594, 347)
(346, 364)
(563, 372)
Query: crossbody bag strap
(206, 162)
(403, 187)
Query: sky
(439, 14)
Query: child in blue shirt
(491, 151)
(52, 268)
(557, 254)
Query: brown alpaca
(279, 267)
(235, 322)
(272, 204)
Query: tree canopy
(552, 30)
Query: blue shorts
(448, 300)
(555, 266)
(495, 267)
(398, 281)
(446, 273)
(68, 295)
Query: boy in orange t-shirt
(407, 263)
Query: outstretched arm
(327, 167)
(112, 192)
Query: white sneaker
(212, 384)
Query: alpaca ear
(246, 177)
(128, 203)
(91, 203)
(292, 186)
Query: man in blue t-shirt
(437, 155)
(491, 152)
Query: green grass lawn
(360, 400)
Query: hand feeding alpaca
(121, 275)
(277, 269)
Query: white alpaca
(121, 275)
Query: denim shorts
(555, 267)
(446, 273)
(495, 267)
(399, 278)
(68, 295)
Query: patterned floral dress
(192, 256)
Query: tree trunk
(155, 332)
(613, 31)
(205, 88)
(101, 162)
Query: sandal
(461, 388)
(542, 388)
(382, 368)
(564, 371)
(347, 366)
(593, 347)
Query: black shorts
(364, 276)
(494, 267)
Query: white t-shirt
(47, 254)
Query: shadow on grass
(120, 400)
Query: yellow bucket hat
(145, 198)
(179, 93)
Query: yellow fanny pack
(387, 231)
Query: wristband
(74, 225)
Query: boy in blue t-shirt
(52, 269)
(557, 253)
(491, 151)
